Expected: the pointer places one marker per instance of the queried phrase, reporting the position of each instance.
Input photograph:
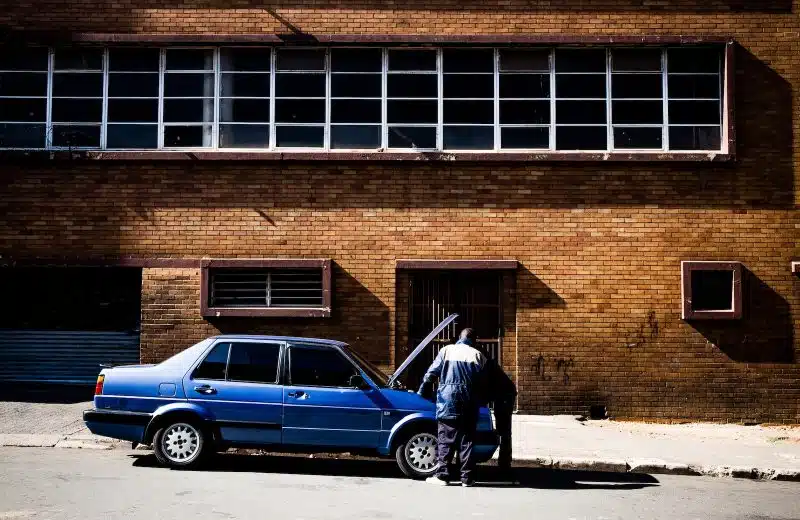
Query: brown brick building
(546, 169)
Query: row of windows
(363, 98)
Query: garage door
(58, 325)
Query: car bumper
(117, 424)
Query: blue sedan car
(280, 393)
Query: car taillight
(98, 388)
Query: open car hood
(422, 345)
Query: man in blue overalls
(460, 371)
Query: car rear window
(254, 362)
(213, 366)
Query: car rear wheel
(417, 455)
(180, 445)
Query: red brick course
(598, 288)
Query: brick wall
(599, 245)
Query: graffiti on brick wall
(554, 369)
(646, 331)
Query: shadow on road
(487, 476)
(47, 393)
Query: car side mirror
(357, 381)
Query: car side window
(213, 366)
(319, 367)
(254, 362)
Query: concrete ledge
(83, 445)
(661, 467)
(585, 464)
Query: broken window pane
(412, 137)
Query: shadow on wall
(764, 334)
(533, 293)
(358, 317)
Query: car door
(238, 383)
(320, 407)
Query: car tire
(181, 444)
(416, 454)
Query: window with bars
(568, 99)
(268, 288)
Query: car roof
(287, 339)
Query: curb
(648, 466)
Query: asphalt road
(82, 484)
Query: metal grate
(265, 288)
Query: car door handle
(298, 395)
(205, 389)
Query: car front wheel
(179, 445)
(417, 455)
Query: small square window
(711, 290)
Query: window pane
(356, 111)
(419, 60)
(636, 86)
(581, 86)
(469, 112)
(356, 60)
(412, 85)
(636, 60)
(525, 112)
(190, 59)
(511, 138)
(23, 110)
(637, 112)
(187, 136)
(413, 111)
(245, 59)
(581, 138)
(299, 136)
(412, 137)
(76, 136)
(468, 86)
(300, 85)
(78, 59)
(468, 137)
(244, 136)
(319, 367)
(254, 362)
(132, 136)
(355, 137)
(471, 60)
(245, 85)
(23, 84)
(580, 112)
(694, 87)
(712, 290)
(132, 85)
(244, 110)
(301, 59)
(356, 85)
(77, 85)
(694, 138)
(24, 58)
(694, 112)
(300, 110)
(525, 60)
(22, 136)
(78, 110)
(133, 60)
(213, 366)
(188, 85)
(637, 138)
(580, 60)
(132, 110)
(188, 110)
(524, 85)
(693, 59)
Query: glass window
(133, 92)
(300, 94)
(694, 86)
(254, 362)
(412, 107)
(188, 98)
(524, 98)
(468, 92)
(319, 367)
(23, 97)
(244, 104)
(77, 104)
(637, 104)
(213, 366)
(356, 91)
(581, 105)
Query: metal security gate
(474, 295)
(59, 324)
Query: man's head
(468, 336)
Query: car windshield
(374, 373)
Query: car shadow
(486, 475)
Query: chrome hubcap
(180, 442)
(421, 452)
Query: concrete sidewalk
(563, 442)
